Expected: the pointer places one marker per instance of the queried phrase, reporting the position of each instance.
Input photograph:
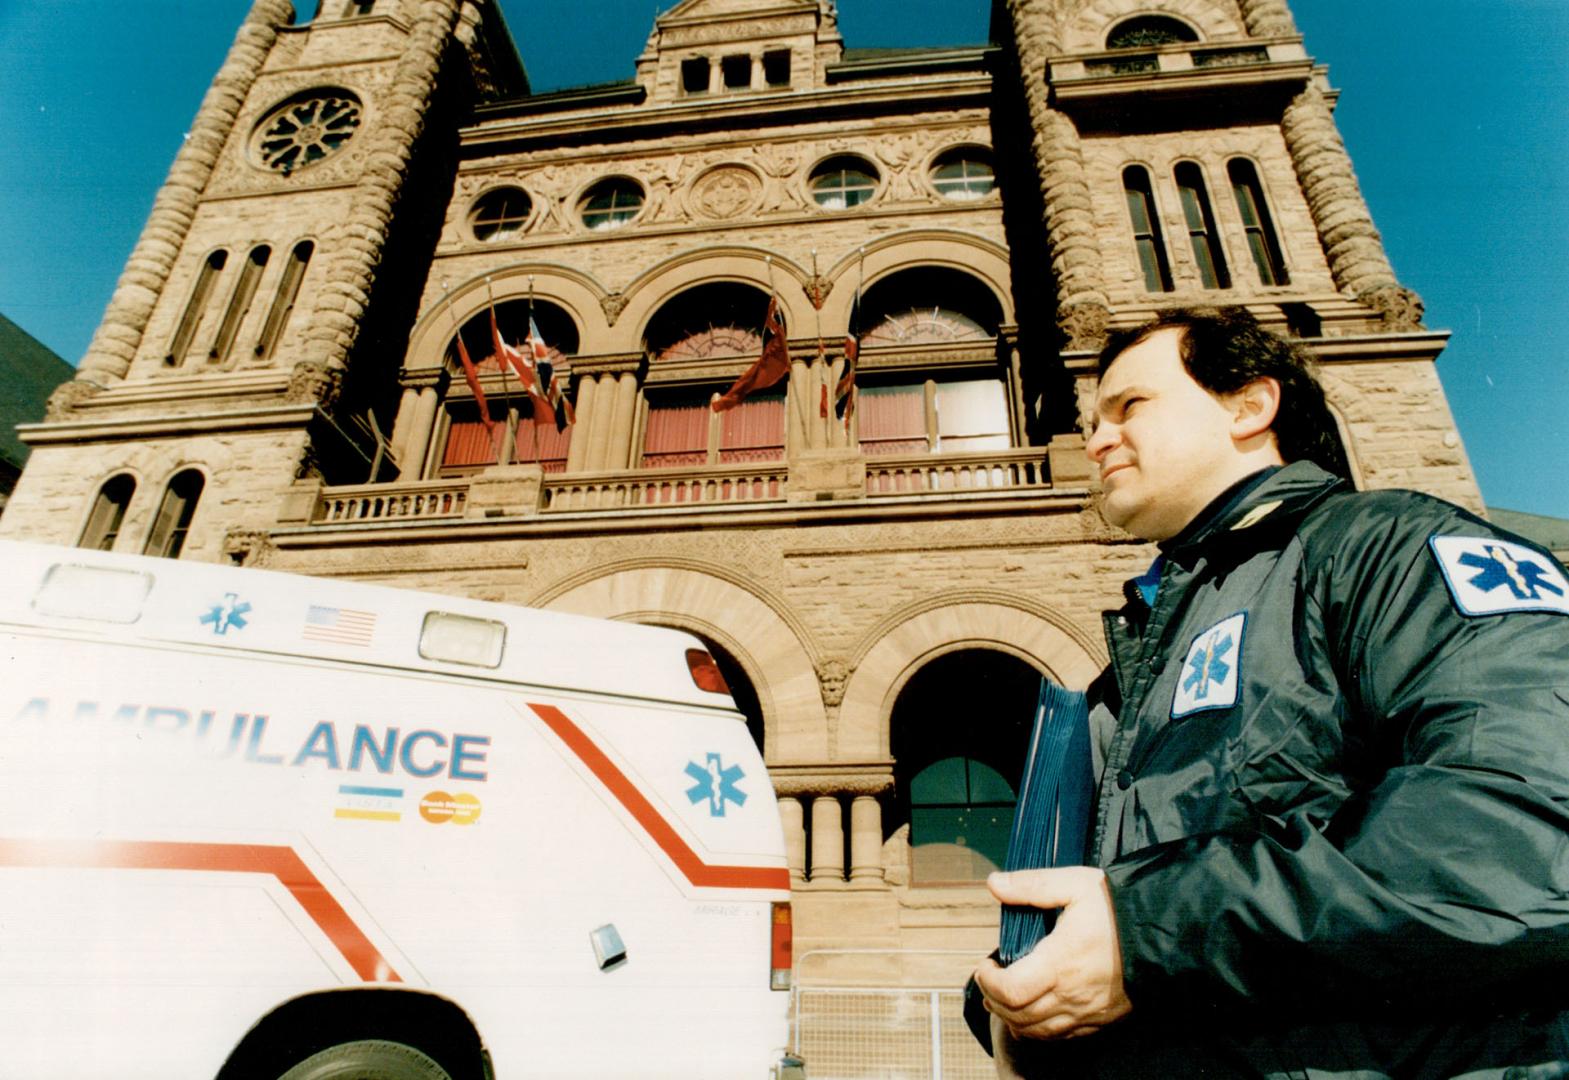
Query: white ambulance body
(246, 817)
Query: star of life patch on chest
(1488, 576)
(1212, 671)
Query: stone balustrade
(748, 482)
(916, 474)
(420, 499)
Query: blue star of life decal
(1211, 672)
(228, 614)
(715, 784)
(1487, 576)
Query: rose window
(307, 129)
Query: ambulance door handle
(609, 949)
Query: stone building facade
(276, 383)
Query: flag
(771, 366)
(844, 392)
(555, 393)
(471, 376)
(523, 363)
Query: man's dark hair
(1224, 349)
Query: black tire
(368, 1059)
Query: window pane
(972, 415)
(892, 419)
(753, 430)
(677, 431)
(941, 782)
(987, 784)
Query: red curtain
(677, 432)
(470, 446)
(892, 419)
(753, 430)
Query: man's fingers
(1042, 888)
(1018, 985)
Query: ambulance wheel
(368, 1059)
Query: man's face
(1163, 443)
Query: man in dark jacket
(1332, 830)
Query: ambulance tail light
(705, 673)
(780, 948)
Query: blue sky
(1456, 113)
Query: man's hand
(1071, 984)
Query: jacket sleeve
(1444, 877)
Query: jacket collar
(1278, 503)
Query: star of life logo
(1212, 670)
(715, 784)
(228, 614)
(1487, 576)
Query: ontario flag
(844, 391)
(772, 366)
(555, 393)
(524, 366)
(471, 376)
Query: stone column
(598, 450)
(793, 817)
(1267, 18)
(584, 407)
(420, 430)
(866, 843)
(798, 434)
(1345, 228)
(827, 842)
(621, 421)
(1071, 236)
(401, 425)
(146, 272)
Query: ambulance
(261, 825)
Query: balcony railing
(749, 482)
(975, 470)
(423, 499)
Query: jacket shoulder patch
(1212, 670)
(1488, 576)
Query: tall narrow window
(103, 524)
(677, 430)
(1208, 255)
(1256, 223)
(776, 67)
(754, 430)
(283, 302)
(173, 523)
(1146, 229)
(239, 303)
(206, 278)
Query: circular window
(306, 129)
(963, 175)
(500, 213)
(840, 183)
(610, 204)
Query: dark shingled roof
(29, 372)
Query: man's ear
(1254, 408)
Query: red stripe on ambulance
(687, 861)
(281, 862)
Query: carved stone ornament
(833, 674)
(817, 289)
(67, 396)
(1401, 308)
(725, 192)
(313, 382)
(614, 305)
(248, 547)
(1083, 325)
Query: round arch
(918, 249)
(1037, 638)
(1087, 31)
(748, 625)
(579, 295)
(748, 266)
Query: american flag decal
(340, 626)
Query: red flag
(471, 376)
(844, 392)
(555, 394)
(771, 366)
(523, 364)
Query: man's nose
(1102, 439)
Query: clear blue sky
(1456, 113)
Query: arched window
(1203, 237)
(196, 306)
(1257, 226)
(964, 174)
(843, 182)
(283, 301)
(1148, 31)
(610, 204)
(239, 303)
(500, 214)
(956, 782)
(175, 510)
(103, 523)
(1145, 218)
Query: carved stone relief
(724, 193)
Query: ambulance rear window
(462, 639)
(92, 592)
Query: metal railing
(910, 474)
(744, 482)
(884, 1032)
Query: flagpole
(510, 438)
(534, 420)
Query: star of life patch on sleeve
(1488, 576)
(1212, 670)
